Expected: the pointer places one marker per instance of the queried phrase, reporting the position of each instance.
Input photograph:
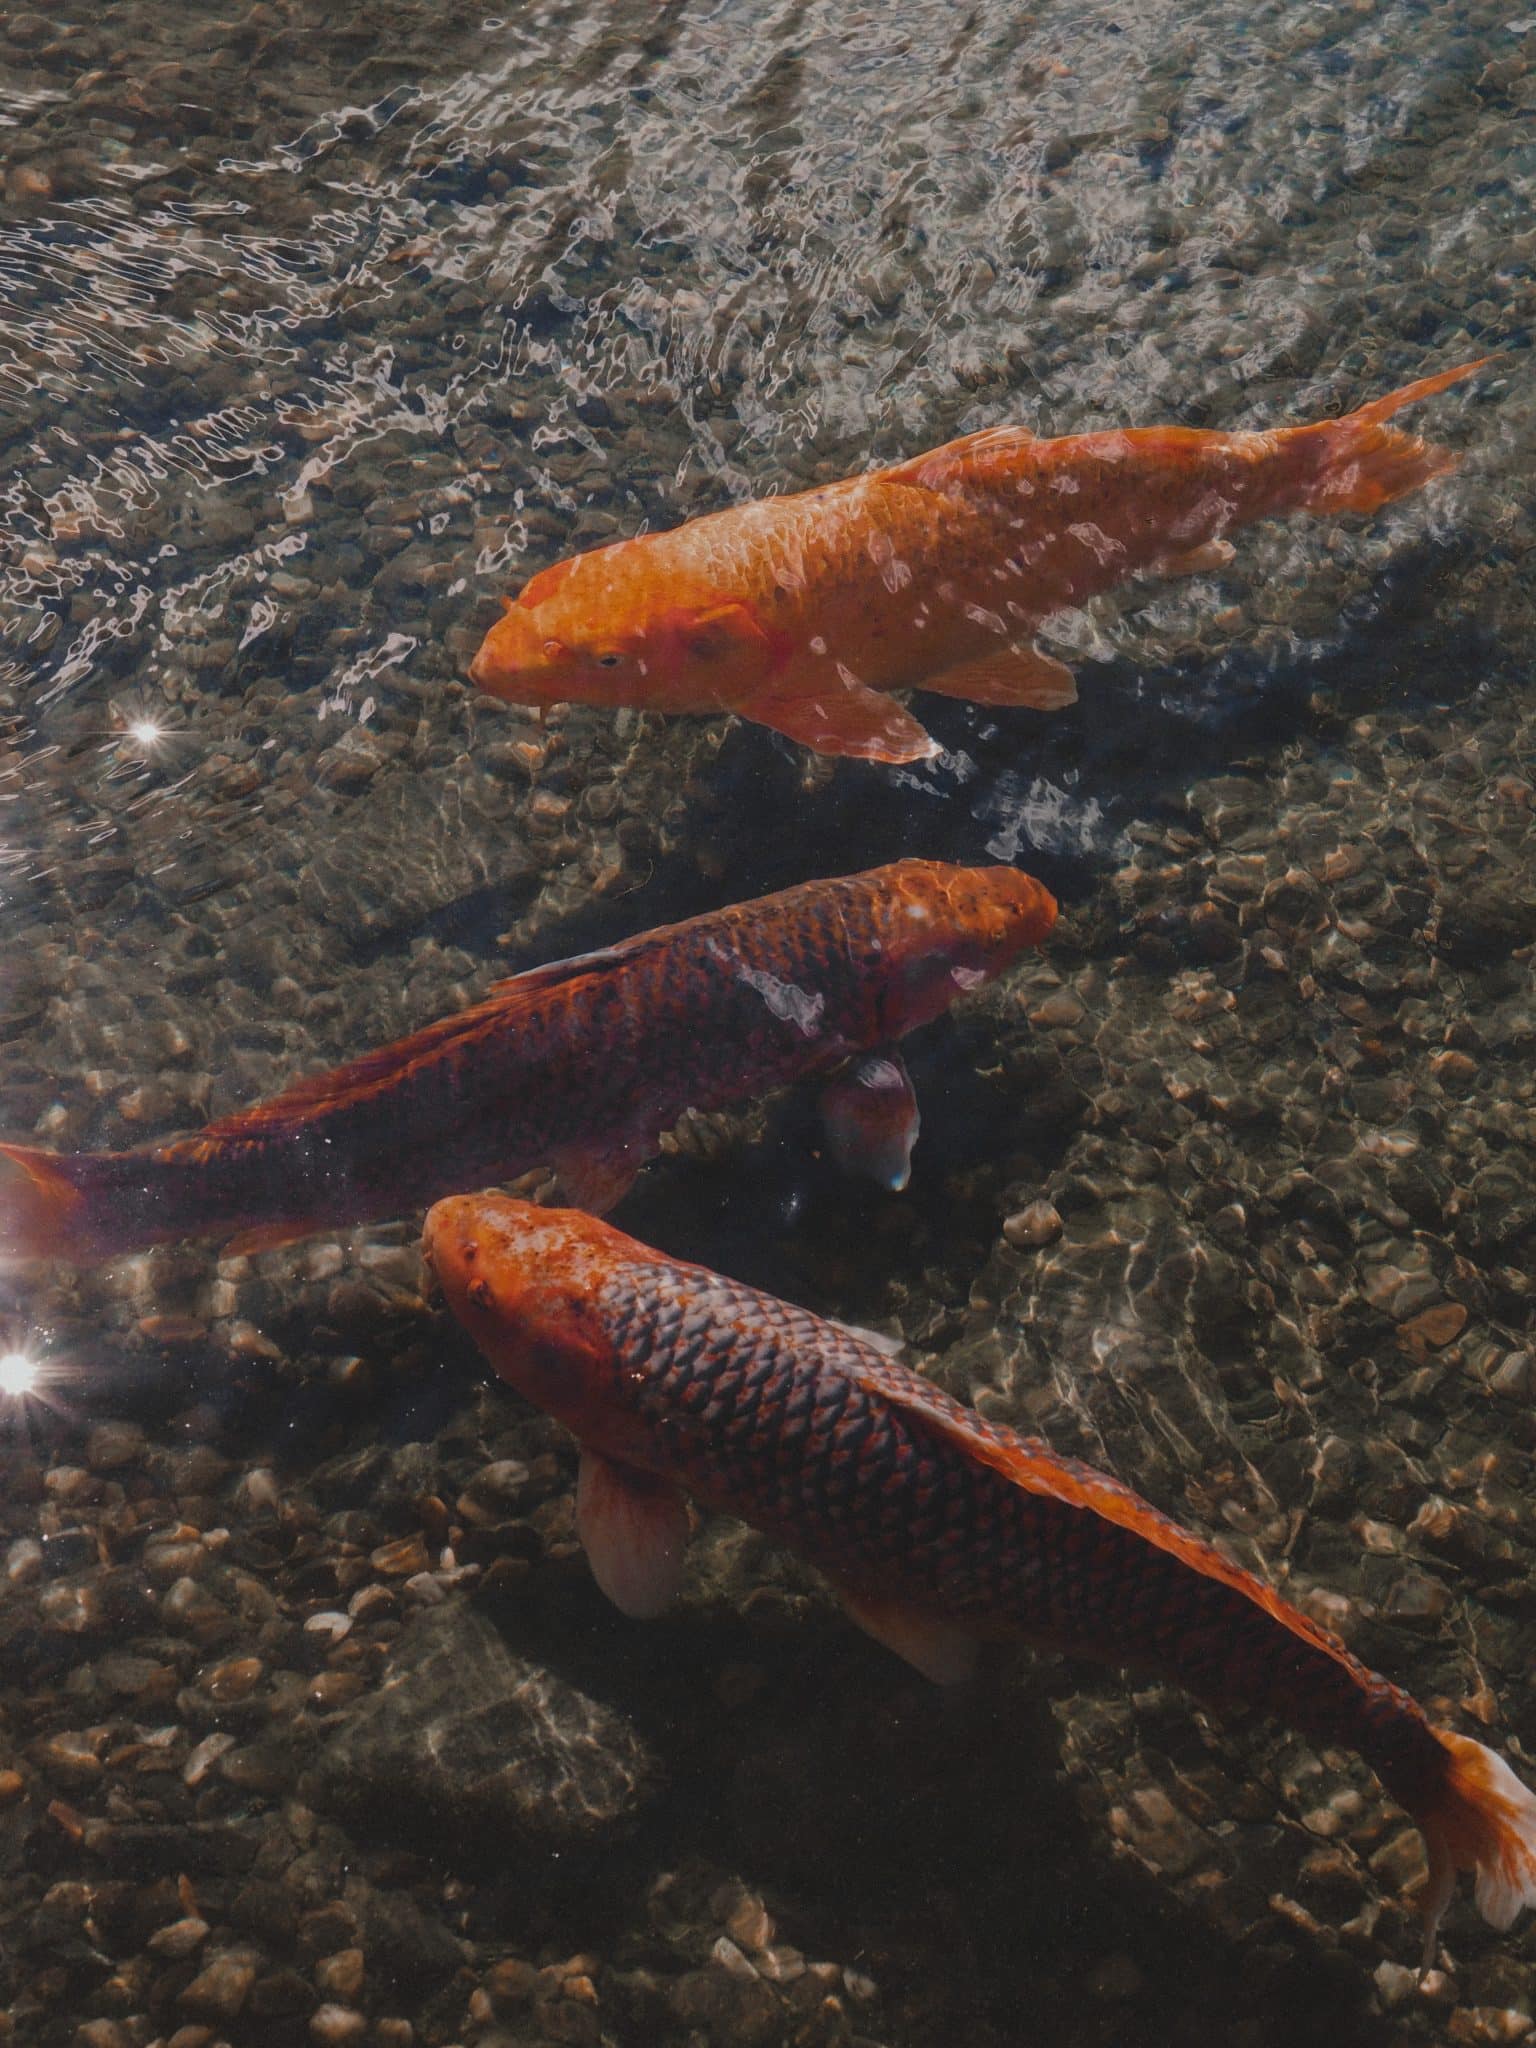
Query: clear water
(316, 336)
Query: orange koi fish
(580, 1065)
(803, 612)
(936, 1527)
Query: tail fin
(1481, 1819)
(1360, 462)
(45, 1206)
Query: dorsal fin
(1027, 1463)
(942, 468)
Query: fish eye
(609, 660)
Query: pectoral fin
(941, 1650)
(594, 1177)
(870, 1115)
(721, 631)
(634, 1530)
(1215, 554)
(844, 718)
(1011, 675)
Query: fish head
(575, 633)
(525, 1283)
(950, 929)
(607, 628)
(531, 657)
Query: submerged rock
(465, 1738)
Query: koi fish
(579, 1065)
(803, 612)
(937, 1528)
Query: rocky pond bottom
(319, 334)
(316, 1729)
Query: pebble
(220, 1989)
(204, 1757)
(333, 1689)
(334, 2026)
(340, 1976)
(1394, 1983)
(1036, 1225)
(1478, 2024)
(402, 1558)
(1433, 1328)
(102, 2034)
(180, 1938)
(751, 1924)
(71, 1758)
(235, 1679)
(113, 1445)
(510, 1984)
(190, 1609)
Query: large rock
(464, 1738)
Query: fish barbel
(936, 1527)
(580, 1065)
(802, 611)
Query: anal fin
(1009, 675)
(941, 1650)
(634, 1530)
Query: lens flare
(18, 1375)
(145, 732)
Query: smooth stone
(464, 1737)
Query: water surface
(315, 338)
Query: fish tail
(1358, 463)
(1479, 1817)
(84, 1206)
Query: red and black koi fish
(936, 1527)
(580, 1065)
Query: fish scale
(781, 1421)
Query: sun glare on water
(18, 1375)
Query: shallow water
(315, 338)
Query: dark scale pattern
(804, 1430)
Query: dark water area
(320, 331)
